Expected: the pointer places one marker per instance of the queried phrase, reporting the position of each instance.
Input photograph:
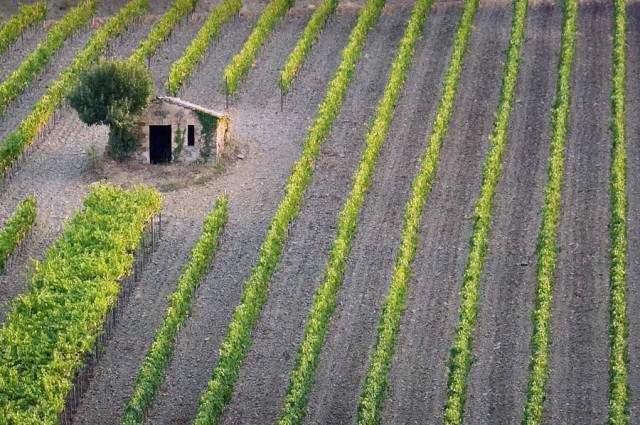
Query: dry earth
(633, 191)
(262, 384)
(418, 373)
(59, 173)
(579, 370)
(498, 379)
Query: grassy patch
(619, 332)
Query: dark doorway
(191, 136)
(160, 144)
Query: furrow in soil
(19, 109)
(633, 193)
(180, 38)
(56, 173)
(182, 216)
(20, 50)
(579, 368)
(272, 140)
(344, 358)
(260, 391)
(498, 379)
(417, 379)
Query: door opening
(191, 139)
(160, 144)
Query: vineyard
(429, 212)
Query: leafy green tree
(113, 93)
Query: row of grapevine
(618, 367)
(162, 30)
(53, 326)
(303, 46)
(325, 300)
(238, 339)
(22, 77)
(183, 67)
(28, 16)
(239, 66)
(547, 247)
(16, 229)
(461, 353)
(159, 355)
(393, 308)
(18, 141)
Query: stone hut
(169, 120)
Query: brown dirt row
(274, 143)
(633, 193)
(260, 391)
(121, 47)
(68, 166)
(579, 369)
(182, 217)
(351, 335)
(21, 107)
(177, 42)
(23, 47)
(57, 174)
(418, 378)
(498, 379)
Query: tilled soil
(344, 359)
(633, 193)
(498, 379)
(579, 369)
(18, 51)
(418, 378)
(274, 144)
(21, 107)
(173, 49)
(57, 174)
(260, 391)
(107, 394)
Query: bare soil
(418, 378)
(633, 193)
(578, 381)
(59, 172)
(261, 387)
(499, 376)
(18, 110)
(344, 359)
(18, 51)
